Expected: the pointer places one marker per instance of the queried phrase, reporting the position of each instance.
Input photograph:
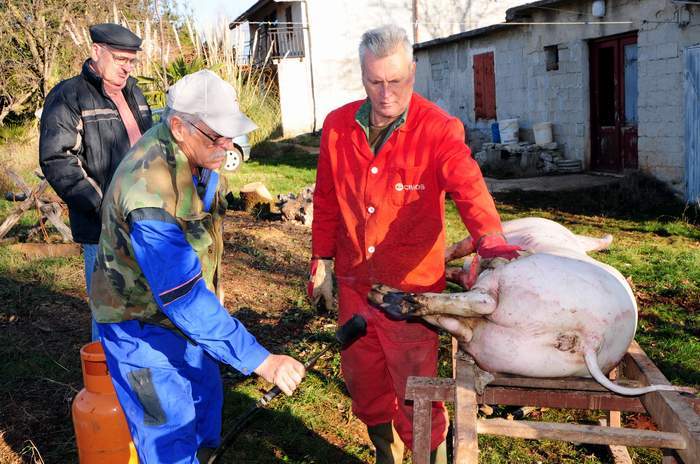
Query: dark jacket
(82, 141)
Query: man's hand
(491, 251)
(319, 289)
(284, 371)
(495, 246)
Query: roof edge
(518, 12)
(462, 35)
(250, 11)
(512, 14)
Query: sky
(208, 11)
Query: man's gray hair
(169, 113)
(384, 41)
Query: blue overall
(168, 383)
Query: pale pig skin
(551, 305)
(540, 315)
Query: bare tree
(44, 41)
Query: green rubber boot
(388, 445)
(439, 455)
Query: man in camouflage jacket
(156, 289)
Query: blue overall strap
(174, 274)
(206, 185)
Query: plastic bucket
(543, 133)
(508, 128)
(495, 134)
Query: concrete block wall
(661, 142)
(525, 89)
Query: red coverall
(382, 219)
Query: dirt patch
(265, 269)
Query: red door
(614, 103)
(484, 86)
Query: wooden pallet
(676, 416)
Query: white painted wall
(333, 35)
(295, 97)
(526, 90)
(336, 28)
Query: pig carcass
(554, 312)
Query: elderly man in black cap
(88, 124)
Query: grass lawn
(44, 321)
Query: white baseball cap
(213, 100)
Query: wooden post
(52, 212)
(423, 391)
(620, 454)
(466, 444)
(421, 430)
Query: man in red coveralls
(384, 167)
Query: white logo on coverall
(410, 187)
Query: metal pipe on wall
(311, 63)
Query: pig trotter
(397, 304)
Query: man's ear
(94, 50)
(177, 128)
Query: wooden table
(677, 416)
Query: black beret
(115, 36)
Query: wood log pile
(50, 210)
(256, 199)
(297, 207)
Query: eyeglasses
(122, 60)
(218, 140)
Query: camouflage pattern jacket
(155, 174)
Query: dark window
(484, 86)
(551, 55)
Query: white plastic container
(509, 130)
(543, 133)
(598, 8)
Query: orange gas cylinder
(100, 427)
